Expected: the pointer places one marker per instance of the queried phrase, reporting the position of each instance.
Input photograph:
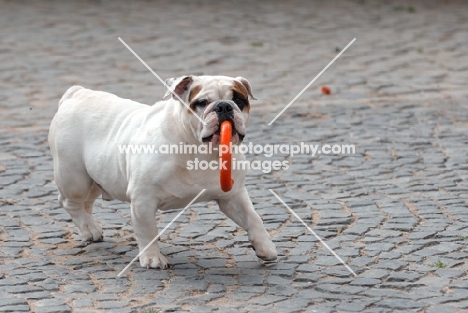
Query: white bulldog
(89, 126)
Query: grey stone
(34, 295)
(251, 280)
(109, 305)
(365, 282)
(421, 235)
(34, 277)
(11, 282)
(362, 261)
(354, 306)
(82, 288)
(243, 296)
(390, 265)
(6, 221)
(276, 280)
(4, 302)
(267, 299)
(401, 304)
(402, 277)
(54, 309)
(21, 288)
(120, 310)
(374, 273)
(15, 308)
(282, 290)
(327, 261)
(444, 308)
(81, 303)
(48, 303)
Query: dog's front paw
(153, 260)
(265, 250)
(89, 228)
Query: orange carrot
(225, 138)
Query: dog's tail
(69, 93)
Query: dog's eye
(240, 102)
(201, 103)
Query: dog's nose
(223, 107)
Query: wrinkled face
(215, 99)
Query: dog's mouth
(214, 138)
(210, 138)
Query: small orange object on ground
(225, 138)
(326, 90)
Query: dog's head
(214, 99)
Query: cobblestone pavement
(396, 211)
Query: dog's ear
(247, 86)
(179, 86)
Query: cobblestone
(395, 211)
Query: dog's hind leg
(94, 193)
(77, 195)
